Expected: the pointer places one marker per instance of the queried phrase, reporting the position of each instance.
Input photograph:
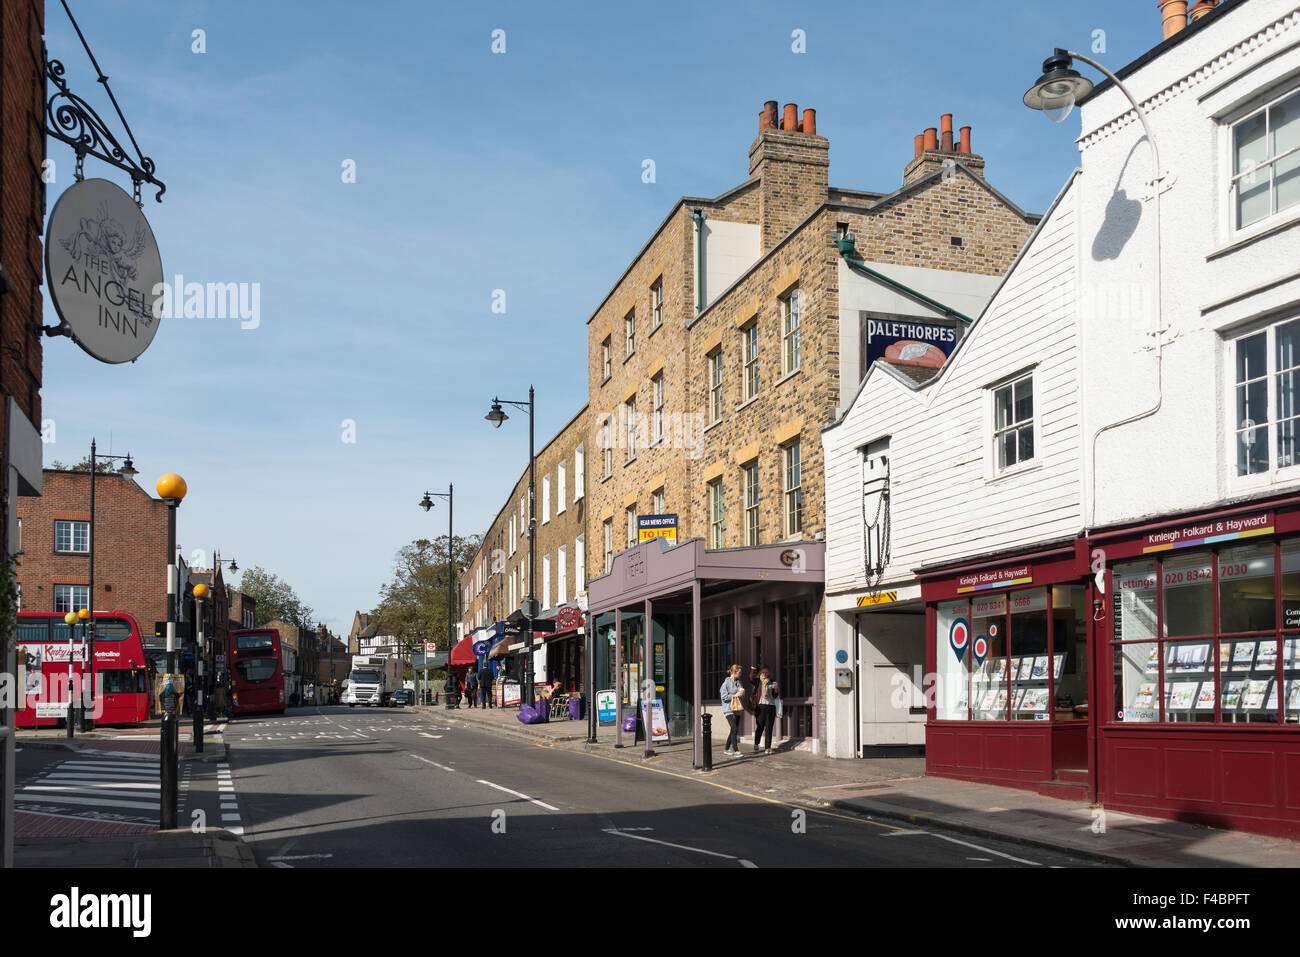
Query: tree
(275, 599)
(101, 467)
(413, 606)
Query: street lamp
(496, 416)
(127, 470)
(171, 489)
(200, 653)
(449, 685)
(1055, 94)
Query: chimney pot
(1174, 15)
(810, 121)
(964, 145)
(945, 128)
(770, 109)
(1202, 8)
(764, 120)
(791, 119)
(918, 145)
(931, 138)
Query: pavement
(110, 831)
(897, 789)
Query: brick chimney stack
(792, 163)
(937, 145)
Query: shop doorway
(890, 678)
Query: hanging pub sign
(104, 270)
(657, 526)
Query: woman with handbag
(732, 693)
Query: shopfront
(706, 610)
(1201, 668)
(1009, 671)
(565, 651)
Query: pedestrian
(732, 693)
(765, 698)
(471, 686)
(485, 685)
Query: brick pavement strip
(178, 848)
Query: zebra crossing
(120, 786)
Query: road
(394, 788)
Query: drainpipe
(699, 260)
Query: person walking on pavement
(471, 686)
(732, 694)
(485, 685)
(765, 696)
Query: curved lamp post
(530, 609)
(449, 686)
(1055, 94)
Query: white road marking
(519, 795)
(986, 850)
(230, 817)
(300, 857)
(423, 735)
(96, 784)
(280, 864)
(680, 847)
(96, 802)
(434, 763)
(901, 833)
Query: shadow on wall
(1121, 220)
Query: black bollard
(167, 762)
(706, 737)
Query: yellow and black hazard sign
(880, 598)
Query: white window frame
(657, 413)
(751, 489)
(579, 473)
(580, 565)
(546, 580)
(992, 433)
(606, 360)
(629, 333)
(561, 575)
(657, 501)
(1275, 216)
(546, 498)
(715, 385)
(656, 303)
(749, 360)
(514, 528)
(792, 309)
(607, 438)
(787, 512)
(75, 526)
(630, 512)
(608, 527)
(1274, 472)
(71, 595)
(561, 493)
(717, 515)
(630, 408)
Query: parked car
(402, 696)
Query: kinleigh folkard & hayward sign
(999, 578)
(1208, 533)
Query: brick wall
(130, 550)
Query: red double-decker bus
(256, 673)
(121, 673)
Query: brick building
(130, 548)
(731, 339)
(496, 582)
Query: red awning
(463, 653)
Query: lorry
(373, 680)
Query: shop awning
(500, 649)
(463, 653)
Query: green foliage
(413, 606)
(101, 467)
(275, 599)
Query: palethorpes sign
(102, 266)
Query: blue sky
(475, 171)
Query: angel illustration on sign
(105, 238)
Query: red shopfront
(1011, 675)
(1199, 709)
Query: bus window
(30, 629)
(112, 629)
(123, 682)
(249, 642)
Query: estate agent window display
(1210, 637)
(1029, 672)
